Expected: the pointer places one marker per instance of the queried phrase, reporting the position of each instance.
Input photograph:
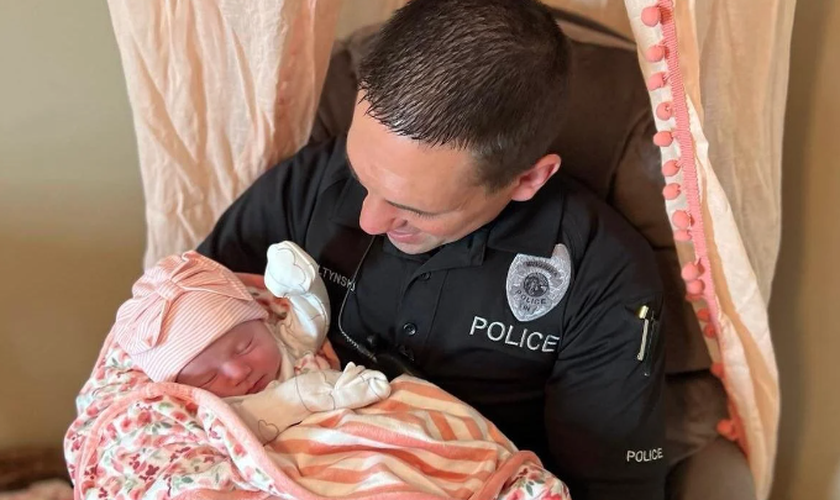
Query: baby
(192, 321)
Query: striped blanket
(137, 439)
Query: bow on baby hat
(179, 307)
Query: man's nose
(377, 216)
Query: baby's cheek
(266, 359)
(219, 391)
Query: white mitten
(291, 273)
(283, 404)
(355, 387)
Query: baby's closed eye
(245, 347)
(208, 380)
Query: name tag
(329, 275)
(516, 337)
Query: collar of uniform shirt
(530, 227)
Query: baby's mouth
(257, 387)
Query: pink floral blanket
(137, 439)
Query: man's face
(242, 361)
(420, 197)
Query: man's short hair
(487, 76)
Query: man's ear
(530, 181)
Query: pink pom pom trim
(726, 428)
(670, 168)
(682, 235)
(656, 81)
(671, 191)
(651, 16)
(663, 139)
(681, 219)
(691, 272)
(655, 53)
(664, 111)
(695, 287)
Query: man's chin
(422, 245)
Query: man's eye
(422, 215)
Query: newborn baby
(192, 321)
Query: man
(445, 233)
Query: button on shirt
(552, 351)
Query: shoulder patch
(535, 285)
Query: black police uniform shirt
(562, 378)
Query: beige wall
(71, 216)
(805, 309)
(71, 222)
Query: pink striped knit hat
(179, 307)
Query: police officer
(445, 235)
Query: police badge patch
(535, 285)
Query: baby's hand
(355, 387)
(292, 274)
(290, 271)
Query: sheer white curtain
(733, 74)
(220, 90)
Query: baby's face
(242, 361)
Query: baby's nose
(236, 370)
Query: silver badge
(535, 285)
